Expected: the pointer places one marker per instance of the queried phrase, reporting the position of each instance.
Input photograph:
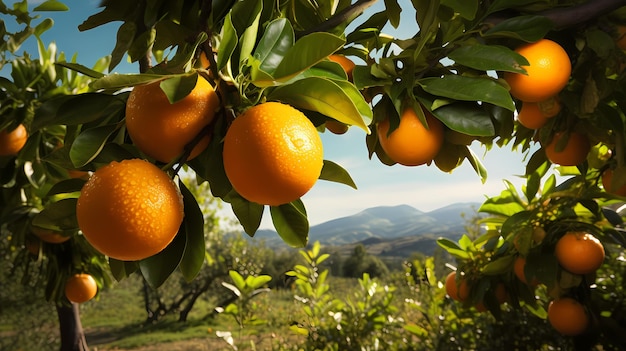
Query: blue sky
(423, 187)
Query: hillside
(388, 230)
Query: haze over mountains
(396, 230)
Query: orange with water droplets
(129, 210)
(162, 130)
(273, 154)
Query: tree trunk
(71, 329)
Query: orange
(80, 288)
(534, 115)
(501, 295)
(336, 127)
(33, 245)
(607, 178)
(162, 130)
(49, 236)
(548, 73)
(129, 210)
(460, 291)
(568, 316)
(273, 154)
(579, 252)
(12, 141)
(412, 144)
(346, 64)
(573, 153)
(519, 267)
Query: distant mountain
(389, 229)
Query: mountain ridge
(382, 225)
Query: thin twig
(344, 15)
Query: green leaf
(193, 226)
(527, 28)
(452, 248)
(257, 282)
(467, 118)
(291, 223)
(306, 52)
(393, 11)
(479, 168)
(498, 266)
(43, 26)
(156, 269)
(504, 205)
(125, 37)
(335, 173)
(51, 5)
(89, 143)
(141, 45)
(122, 269)
(469, 89)
(321, 95)
(81, 69)
(58, 216)
(276, 41)
(246, 22)
(119, 81)
(240, 283)
(466, 9)
(178, 87)
(499, 5)
(65, 187)
(228, 44)
(248, 213)
(489, 57)
(89, 107)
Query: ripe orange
(272, 154)
(49, 236)
(574, 152)
(80, 288)
(607, 178)
(346, 64)
(548, 73)
(162, 130)
(458, 292)
(534, 115)
(501, 294)
(579, 252)
(412, 144)
(129, 210)
(336, 127)
(11, 142)
(568, 316)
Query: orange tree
(459, 69)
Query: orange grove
(547, 74)
(129, 210)
(273, 154)
(162, 130)
(11, 142)
(80, 288)
(412, 144)
(579, 252)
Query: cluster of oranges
(547, 74)
(131, 210)
(578, 253)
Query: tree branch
(564, 18)
(347, 14)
